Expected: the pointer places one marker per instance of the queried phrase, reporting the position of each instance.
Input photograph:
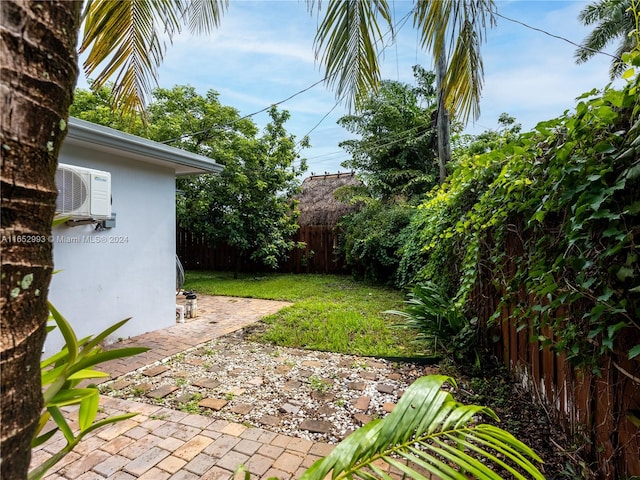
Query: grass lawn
(330, 313)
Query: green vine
(567, 195)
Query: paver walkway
(161, 443)
(217, 316)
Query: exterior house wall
(127, 271)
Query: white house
(122, 264)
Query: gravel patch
(313, 395)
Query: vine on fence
(570, 190)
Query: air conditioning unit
(83, 193)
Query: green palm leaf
(428, 432)
(463, 23)
(347, 42)
(612, 20)
(202, 16)
(130, 38)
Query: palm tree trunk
(39, 71)
(442, 123)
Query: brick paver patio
(160, 443)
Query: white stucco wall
(126, 271)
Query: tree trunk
(237, 263)
(442, 123)
(39, 72)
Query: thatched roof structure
(318, 205)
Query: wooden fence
(591, 408)
(319, 255)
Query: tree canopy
(395, 154)
(249, 204)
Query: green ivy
(435, 245)
(569, 193)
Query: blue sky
(263, 53)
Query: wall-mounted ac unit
(83, 193)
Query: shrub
(371, 239)
(61, 375)
(440, 322)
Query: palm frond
(347, 44)
(428, 432)
(618, 66)
(431, 20)
(125, 36)
(128, 40)
(607, 29)
(597, 11)
(465, 75)
(203, 16)
(458, 26)
(612, 20)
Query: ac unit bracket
(103, 223)
(80, 221)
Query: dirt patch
(524, 419)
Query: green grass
(330, 313)
(278, 286)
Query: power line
(322, 119)
(396, 49)
(335, 153)
(394, 139)
(408, 133)
(556, 36)
(400, 24)
(299, 92)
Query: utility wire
(322, 119)
(384, 145)
(401, 23)
(246, 116)
(397, 138)
(556, 36)
(405, 18)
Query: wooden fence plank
(594, 408)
